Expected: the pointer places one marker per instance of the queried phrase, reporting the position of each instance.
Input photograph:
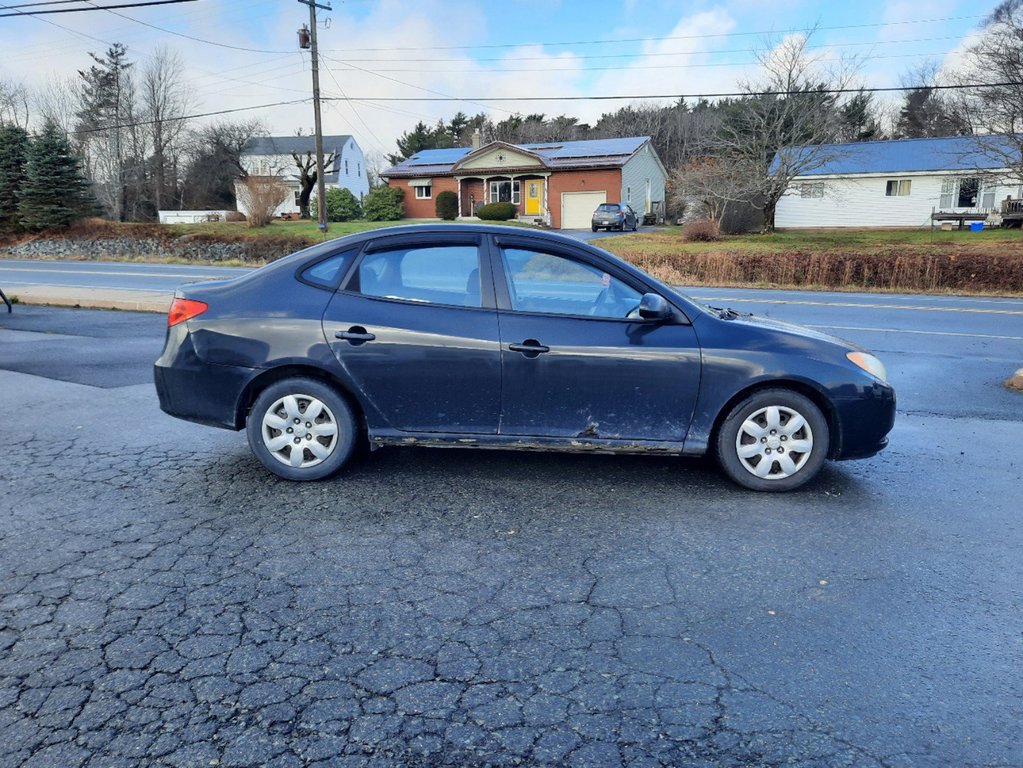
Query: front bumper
(865, 422)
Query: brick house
(558, 183)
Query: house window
(358, 169)
(505, 191)
(628, 194)
(424, 192)
(298, 199)
(898, 187)
(812, 190)
(968, 191)
(346, 167)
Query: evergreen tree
(14, 144)
(54, 192)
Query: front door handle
(530, 348)
(356, 335)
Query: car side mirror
(654, 307)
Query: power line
(806, 30)
(92, 8)
(734, 94)
(632, 68)
(716, 52)
(139, 123)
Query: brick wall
(423, 209)
(582, 181)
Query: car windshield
(608, 207)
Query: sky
(244, 53)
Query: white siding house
(643, 178)
(275, 156)
(899, 183)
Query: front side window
(554, 284)
(898, 187)
(424, 192)
(443, 274)
(813, 190)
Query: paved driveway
(163, 600)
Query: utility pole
(321, 201)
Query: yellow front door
(534, 197)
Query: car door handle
(356, 335)
(529, 348)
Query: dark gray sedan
(614, 216)
(499, 337)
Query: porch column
(458, 188)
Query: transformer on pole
(321, 201)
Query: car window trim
(503, 290)
(487, 298)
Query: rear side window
(446, 274)
(328, 272)
(608, 207)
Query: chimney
(477, 140)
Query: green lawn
(297, 229)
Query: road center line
(919, 333)
(726, 300)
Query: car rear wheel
(774, 440)
(301, 429)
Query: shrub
(497, 211)
(706, 231)
(342, 205)
(261, 196)
(447, 205)
(235, 216)
(384, 204)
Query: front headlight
(870, 364)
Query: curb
(58, 296)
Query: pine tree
(13, 153)
(54, 192)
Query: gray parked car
(614, 216)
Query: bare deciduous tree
(165, 99)
(14, 104)
(784, 127)
(704, 188)
(997, 60)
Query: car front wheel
(774, 440)
(301, 429)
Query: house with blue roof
(903, 183)
(557, 183)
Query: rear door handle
(529, 348)
(356, 335)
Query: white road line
(921, 333)
(119, 273)
(870, 306)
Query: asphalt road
(163, 600)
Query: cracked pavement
(165, 601)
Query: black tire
(593, 227)
(336, 413)
(787, 470)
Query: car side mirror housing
(654, 307)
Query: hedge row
(959, 271)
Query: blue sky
(377, 49)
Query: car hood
(791, 329)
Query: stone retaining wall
(186, 247)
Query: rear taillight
(185, 309)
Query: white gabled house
(275, 156)
(901, 183)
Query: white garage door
(577, 208)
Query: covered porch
(528, 192)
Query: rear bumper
(865, 422)
(192, 390)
